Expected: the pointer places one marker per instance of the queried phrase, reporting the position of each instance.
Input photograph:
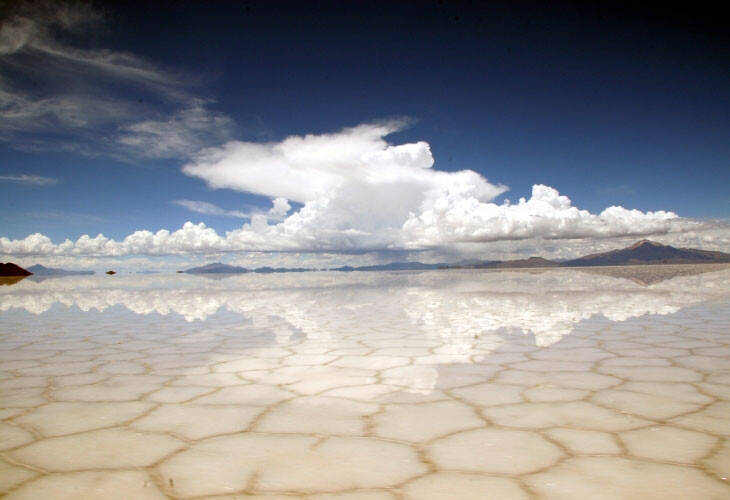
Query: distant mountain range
(393, 266)
(504, 264)
(649, 252)
(220, 268)
(464, 264)
(641, 253)
(39, 270)
(644, 252)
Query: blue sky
(611, 107)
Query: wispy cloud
(205, 208)
(182, 134)
(28, 179)
(94, 100)
(278, 211)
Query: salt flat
(463, 384)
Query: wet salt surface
(556, 384)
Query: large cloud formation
(359, 193)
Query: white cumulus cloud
(357, 190)
(547, 214)
(360, 193)
(281, 207)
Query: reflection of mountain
(393, 266)
(651, 275)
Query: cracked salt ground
(557, 384)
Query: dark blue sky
(609, 105)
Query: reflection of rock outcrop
(10, 280)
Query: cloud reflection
(404, 326)
(449, 305)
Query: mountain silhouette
(649, 252)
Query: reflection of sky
(462, 316)
(449, 305)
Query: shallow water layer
(556, 384)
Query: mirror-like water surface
(556, 384)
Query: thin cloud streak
(206, 208)
(28, 179)
(180, 135)
(276, 213)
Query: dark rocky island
(10, 269)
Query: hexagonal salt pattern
(556, 384)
